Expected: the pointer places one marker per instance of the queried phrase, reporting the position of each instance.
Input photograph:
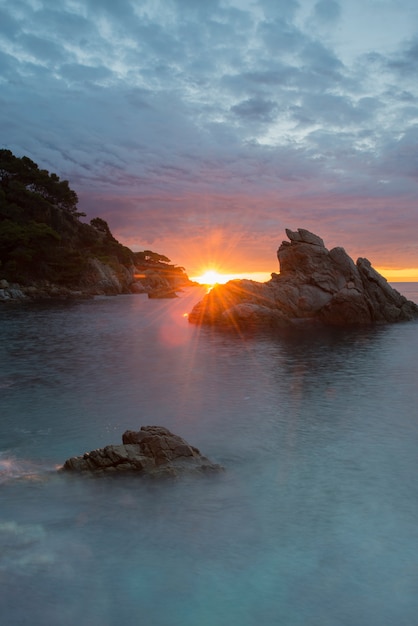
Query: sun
(211, 278)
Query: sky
(201, 129)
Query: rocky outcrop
(41, 290)
(152, 451)
(98, 279)
(315, 285)
(10, 292)
(103, 279)
(160, 282)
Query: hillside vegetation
(42, 237)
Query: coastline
(16, 293)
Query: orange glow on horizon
(213, 277)
(405, 275)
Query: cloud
(77, 73)
(64, 26)
(255, 109)
(176, 118)
(280, 37)
(40, 49)
(284, 9)
(405, 61)
(8, 25)
(328, 11)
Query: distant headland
(46, 251)
(315, 286)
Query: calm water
(313, 523)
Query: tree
(101, 225)
(148, 256)
(25, 174)
(24, 247)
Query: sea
(313, 522)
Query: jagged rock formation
(152, 451)
(314, 285)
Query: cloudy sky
(201, 129)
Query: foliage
(148, 256)
(41, 235)
(21, 176)
(24, 248)
(102, 226)
(107, 245)
(147, 259)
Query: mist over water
(313, 522)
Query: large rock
(159, 281)
(100, 278)
(152, 451)
(314, 285)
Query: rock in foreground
(152, 451)
(314, 285)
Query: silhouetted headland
(46, 251)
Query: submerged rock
(151, 451)
(315, 285)
(24, 548)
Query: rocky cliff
(315, 285)
(99, 278)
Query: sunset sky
(201, 129)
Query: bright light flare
(212, 277)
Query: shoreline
(45, 291)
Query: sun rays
(213, 277)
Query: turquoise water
(313, 522)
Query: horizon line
(391, 275)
